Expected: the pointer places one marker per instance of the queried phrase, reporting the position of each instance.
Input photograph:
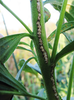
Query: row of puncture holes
(39, 33)
(53, 83)
(43, 50)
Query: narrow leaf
(23, 43)
(21, 94)
(22, 48)
(58, 31)
(47, 14)
(68, 37)
(8, 45)
(32, 45)
(29, 67)
(69, 17)
(49, 45)
(57, 4)
(65, 27)
(12, 92)
(67, 49)
(36, 68)
(41, 93)
(23, 66)
(9, 80)
(4, 86)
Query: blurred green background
(32, 82)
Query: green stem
(16, 17)
(43, 33)
(73, 82)
(19, 93)
(45, 67)
(58, 31)
(70, 80)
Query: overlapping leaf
(65, 27)
(69, 15)
(23, 43)
(9, 85)
(67, 49)
(9, 82)
(42, 93)
(47, 14)
(23, 64)
(23, 48)
(29, 67)
(8, 45)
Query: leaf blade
(67, 49)
(8, 45)
(29, 67)
(65, 27)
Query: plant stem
(70, 80)
(45, 67)
(42, 29)
(19, 93)
(16, 17)
(58, 31)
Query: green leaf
(8, 79)
(67, 49)
(65, 27)
(68, 37)
(23, 43)
(8, 45)
(23, 67)
(4, 86)
(32, 45)
(69, 15)
(47, 14)
(32, 48)
(49, 45)
(42, 93)
(15, 98)
(28, 68)
(11, 85)
(58, 31)
(22, 48)
(36, 68)
(23, 94)
(6, 96)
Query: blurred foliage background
(32, 82)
